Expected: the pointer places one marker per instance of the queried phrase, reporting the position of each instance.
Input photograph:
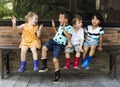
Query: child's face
(95, 21)
(33, 20)
(62, 19)
(79, 23)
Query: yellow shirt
(29, 37)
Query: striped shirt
(94, 34)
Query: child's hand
(64, 26)
(41, 26)
(87, 38)
(53, 23)
(13, 20)
(69, 46)
(100, 48)
(81, 49)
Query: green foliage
(4, 12)
(46, 9)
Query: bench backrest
(10, 36)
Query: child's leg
(87, 62)
(44, 59)
(23, 58)
(92, 50)
(76, 60)
(67, 55)
(56, 54)
(35, 58)
(57, 71)
(48, 46)
(67, 66)
(86, 48)
(78, 54)
(34, 52)
(68, 50)
(23, 53)
(56, 63)
(44, 52)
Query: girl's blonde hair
(29, 14)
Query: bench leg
(112, 64)
(5, 61)
(2, 66)
(7, 64)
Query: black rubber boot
(44, 66)
(57, 77)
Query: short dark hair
(100, 18)
(67, 15)
(77, 17)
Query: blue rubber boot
(82, 61)
(22, 67)
(35, 65)
(87, 62)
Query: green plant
(4, 12)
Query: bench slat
(10, 47)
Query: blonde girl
(30, 38)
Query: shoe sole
(35, 69)
(76, 68)
(57, 82)
(43, 70)
(82, 66)
(86, 68)
(21, 71)
(66, 68)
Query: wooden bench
(11, 39)
(111, 50)
(5, 52)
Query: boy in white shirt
(75, 43)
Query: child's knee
(67, 53)
(23, 52)
(33, 49)
(93, 48)
(78, 53)
(44, 48)
(55, 60)
(85, 51)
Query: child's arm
(100, 43)
(53, 25)
(81, 41)
(85, 34)
(81, 44)
(66, 33)
(39, 30)
(14, 24)
(69, 44)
